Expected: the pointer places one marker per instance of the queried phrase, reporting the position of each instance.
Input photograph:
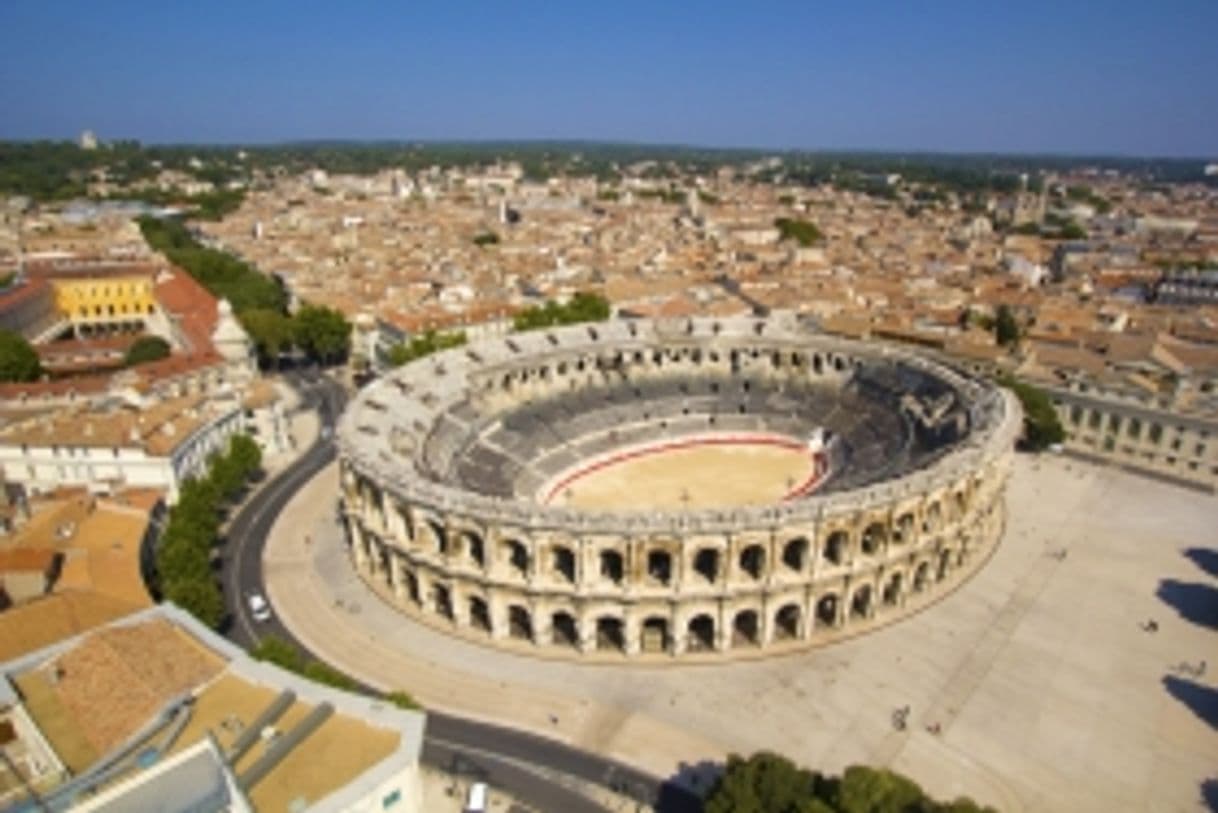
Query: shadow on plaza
(1201, 700)
(1209, 794)
(1193, 601)
(684, 790)
(1204, 558)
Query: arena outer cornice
(994, 413)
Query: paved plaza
(1048, 685)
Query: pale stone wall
(720, 582)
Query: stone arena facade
(441, 462)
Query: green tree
(801, 231)
(322, 332)
(1041, 426)
(18, 361)
(145, 349)
(870, 790)
(1006, 329)
(764, 783)
(582, 307)
(244, 450)
(270, 330)
(424, 345)
(199, 597)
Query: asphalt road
(529, 767)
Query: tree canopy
(145, 349)
(1041, 426)
(424, 345)
(270, 331)
(1006, 329)
(801, 231)
(18, 361)
(321, 332)
(583, 307)
(770, 783)
(219, 272)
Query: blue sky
(985, 75)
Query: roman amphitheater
(654, 489)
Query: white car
(259, 609)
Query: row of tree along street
(769, 783)
(184, 573)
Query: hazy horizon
(1131, 81)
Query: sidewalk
(317, 594)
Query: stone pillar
(497, 607)
(632, 632)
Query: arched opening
(860, 603)
(746, 629)
(921, 577)
(752, 560)
(961, 503)
(520, 623)
(701, 633)
(564, 564)
(479, 614)
(930, 521)
(706, 564)
(412, 587)
(439, 535)
(612, 567)
(517, 556)
(873, 538)
(904, 531)
(659, 567)
(892, 590)
(474, 547)
(563, 630)
(610, 634)
(786, 622)
(655, 635)
(826, 610)
(795, 553)
(945, 563)
(835, 547)
(443, 601)
(817, 364)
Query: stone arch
(873, 538)
(891, 594)
(701, 633)
(746, 629)
(412, 586)
(564, 631)
(516, 555)
(860, 602)
(479, 614)
(563, 559)
(932, 518)
(706, 564)
(826, 610)
(474, 547)
(659, 567)
(904, 530)
(945, 563)
(752, 561)
(795, 553)
(520, 622)
(442, 601)
(786, 622)
(610, 633)
(921, 576)
(612, 565)
(817, 364)
(439, 536)
(835, 547)
(655, 634)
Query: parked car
(259, 609)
